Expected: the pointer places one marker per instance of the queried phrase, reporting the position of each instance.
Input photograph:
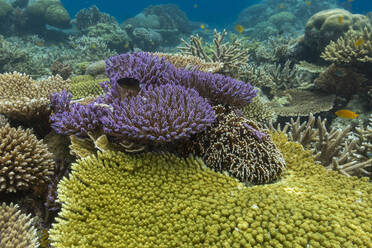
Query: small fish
(94, 46)
(202, 26)
(126, 45)
(40, 43)
(195, 6)
(281, 6)
(239, 28)
(128, 86)
(340, 19)
(308, 3)
(359, 42)
(344, 113)
(294, 33)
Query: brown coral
(24, 160)
(16, 229)
(340, 80)
(23, 98)
(240, 147)
(231, 55)
(190, 62)
(354, 47)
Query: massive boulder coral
(25, 161)
(23, 98)
(152, 200)
(16, 228)
(49, 12)
(329, 25)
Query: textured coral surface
(152, 200)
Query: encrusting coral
(152, 200)
(240, 147)
(16, 228)
(24, 160)
(354, 47)
(23, 98)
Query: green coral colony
(132, 135)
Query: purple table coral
(159, 114)
(150, 69)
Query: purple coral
(150, 69)
(159, 114)
(75, 118)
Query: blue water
(217, 12)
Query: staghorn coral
(346, 51)
(153, 200)
(16, 228)
(23, 98)
(150, 69)
(341, 80)
(190, 62)
(239, 146)
(230, 55)
(24, 160)
(332, 148)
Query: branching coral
(332, 148)
(16, 228)
(149, 69)
(23, 98)
(24, 160)
(239, 146)
(354, 47)
(190, 62)
(152, 200)
(229, 54)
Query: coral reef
(149, 69)
(96, 68)
(230, 55)
(24, 98)
(25, 161)
(16, 228)
(259, 110)
(49, 12)
(86, 18)
(64, 70)
(346, 49)
(341, 80)
(190, 62)
(332, 148)
(85, 88)
(3, 120)
(240, 147)
(301, 102)
(153, 200)
(157, 25)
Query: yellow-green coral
(153, 200)
(85, 86)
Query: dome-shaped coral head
(159, 114)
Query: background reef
(185, 125)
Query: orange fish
(359, 42)
(308, 3)
(239, 28)
(340, 19)
(344, 113)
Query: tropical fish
(308, 3)
(281, 6)
(359, 42)
(129, 83)
(239, 28)
(94, 46)
(202, 26)
(340, 19)
(40, 43)
(344, 113)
